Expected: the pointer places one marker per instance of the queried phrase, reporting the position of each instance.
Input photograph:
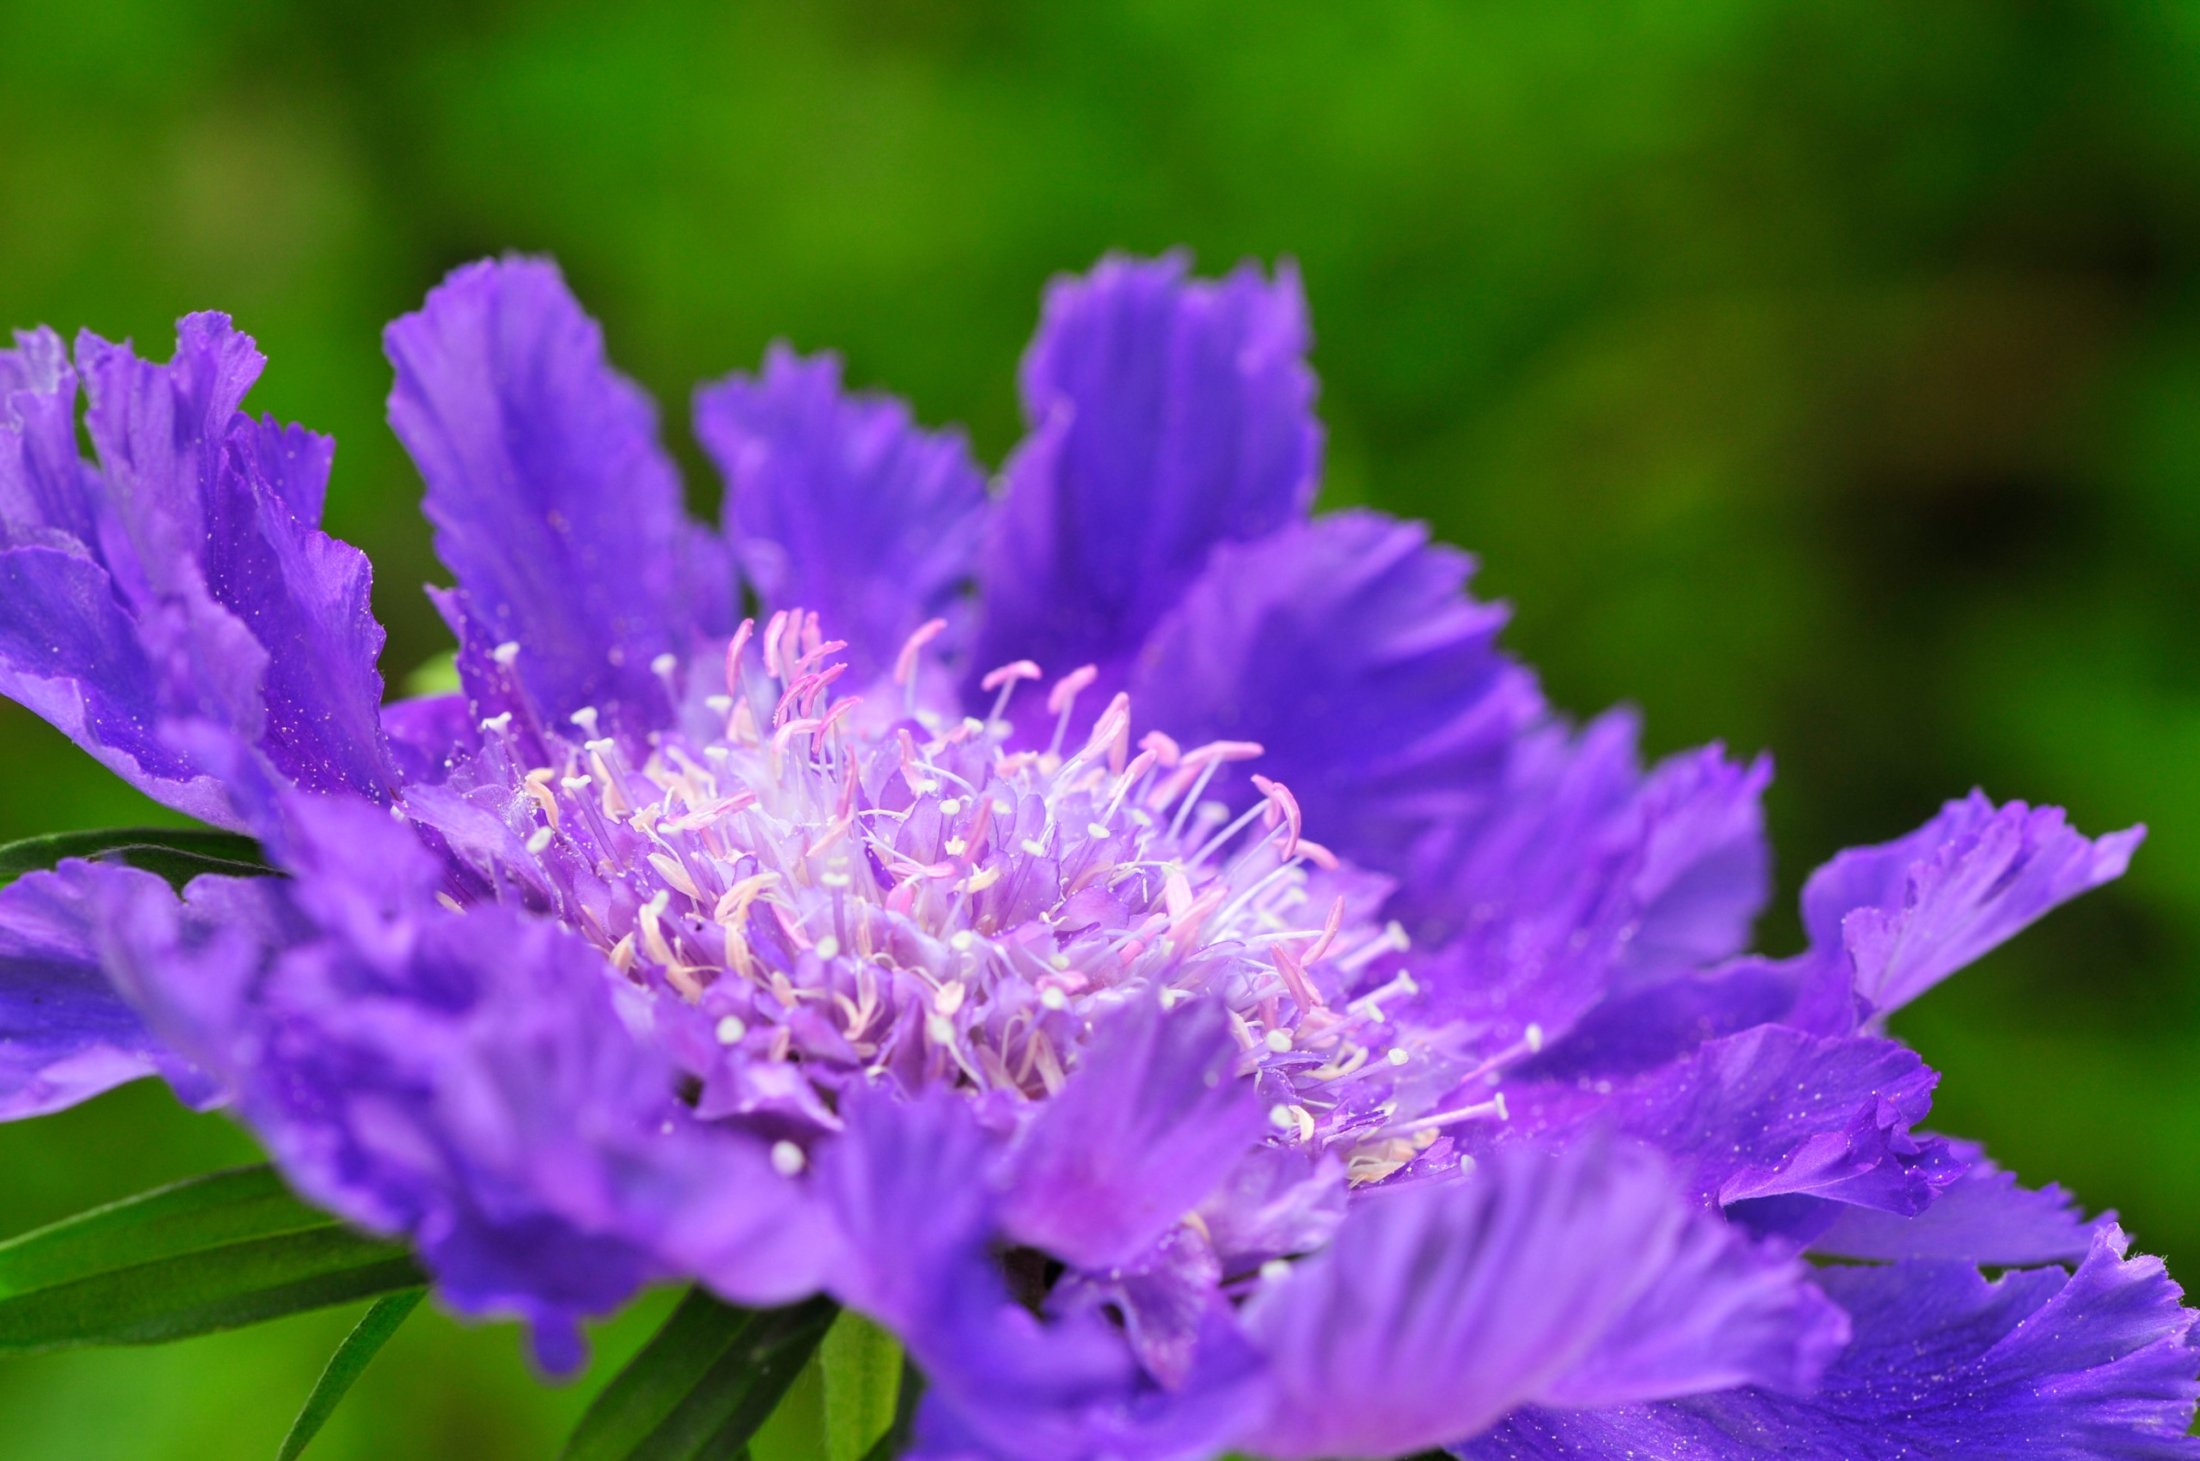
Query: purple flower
(1193, 989)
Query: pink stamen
(830, 646)
(793, 728)
(734, 648)
(1282, 808)
(1015, 670)
(1066, 690)
(772, 630)
(905, 663)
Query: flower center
(836, 892)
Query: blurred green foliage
(1822, 377)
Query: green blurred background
(1820, 377)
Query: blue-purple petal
(65, 1033)
(554, 505)
(1150, 1121)
(1167, 415)
(1984, 1217)
(1441, 1308)
(1909, 913)
(2039, 1363)
(839, 504)
(1348, 649)
(184, 579)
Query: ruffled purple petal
(468, 1080)
(2040, 1363)
(1583, 879)
(912, 1189)
(65, 1034)
(1440, 1308)
(44, 493)
(838, 504)
(1167, 415)
(184, 578)
(1398, 712)
(554, 506)
(74, 655)
(1984, 1217)
(1151, 1120)
(1909, 913)
(1772, 1112)
(428, 733)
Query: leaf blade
(862, 1365)
(178, 854)
(637, 1399)
(346, 1365)
(702, 1385)
(234, 1205)
(206, 1290)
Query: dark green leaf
(896, 1440)
(198, 1293)
(862, 1370)
(203, 1212)
(212, 1253)
(346, 1365)
(178, 854)
(702, 1385)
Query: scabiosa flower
(1145, 945)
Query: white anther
(1280, 1117)
(950, 806)
(961, 940)
(718, 704)
(1278, 1041)
(497, 724)
(1053, 998)
(505, 653)
(957, 846)
(601, 746)
(828, 947)
(787, 1159)
(664, 664)
(1397, 1056)
(1533, 1038)
(576, 783)
(1099, 829)
(1059, 961)
(539, 839)
(585, 718)
(1034, 846)
(731, 1029)
(1275, 1270)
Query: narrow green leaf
(346, 1365)
(178, 854)
(702, 1385)
(896, 1440)
(862, 1366)
(795, 1430)
(215, 1252)
(202, 1212)
(199, 1292)
(640, 1396)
